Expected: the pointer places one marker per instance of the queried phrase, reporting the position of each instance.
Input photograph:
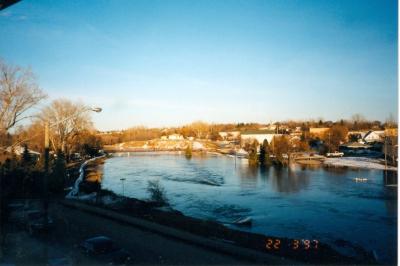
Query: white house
(19, 150)
(175, 137)
(373, 136)
(259, 135)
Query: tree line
(204, 130)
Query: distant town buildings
(176, 137)
(259, 135)
(370, 136)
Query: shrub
(188, 152)
(157, 192)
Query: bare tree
(18, 93)
(200, 128)
(67, 120)
(335, 137)
(390, 121)
(358, 121)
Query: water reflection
(338, 171)
(390, 178)
(280, 179)
(248, 176)
(287, 180)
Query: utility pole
(330, 143)
(385, 151)
(46, 167)
(46, 187)
(235, 156)
(123, 186)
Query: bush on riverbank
(253, 157)
(157, 192)
(188, 152)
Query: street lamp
(96, 109)
(123, 186)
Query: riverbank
(358, 163)
(280, 247)
(87, 178)
(152, 211)
(161, 145)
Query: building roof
(372, 134)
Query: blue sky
(167, 63)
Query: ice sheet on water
(358, 162)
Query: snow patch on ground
(197, 145)
(359, 162)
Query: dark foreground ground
(72, 226)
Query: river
(325, 204)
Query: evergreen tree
(261, 156)
(264, 157)
(57, 178)
(27, 168)
(267, 149)
(26, 156)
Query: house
(175, 137)
(318, 131)
(259, 135)
(296, 132)
(19, 150)
(282, 128)
(373, 136)
(356, 136)
(229, 135)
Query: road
(72, 226)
